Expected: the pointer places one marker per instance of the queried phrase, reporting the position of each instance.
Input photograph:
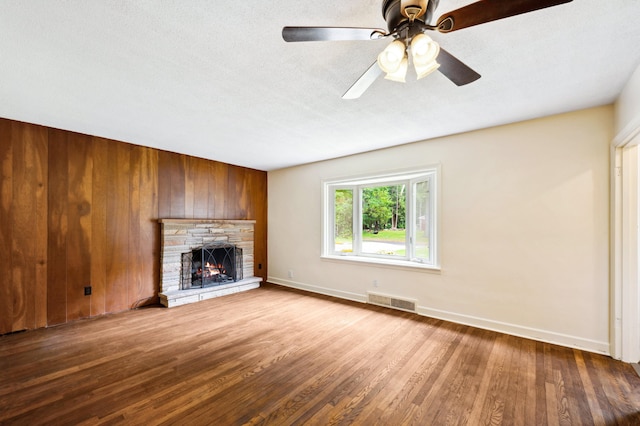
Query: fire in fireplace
(211, 264)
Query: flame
(211, 269)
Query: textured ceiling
(214, 79)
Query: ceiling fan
(408, 21)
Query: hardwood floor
(277, 356)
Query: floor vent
(391, 302)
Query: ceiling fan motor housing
(392, 13)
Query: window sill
(384, 263)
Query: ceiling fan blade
(292, 34)
(455, 70)
(363, 83)
(490, 10)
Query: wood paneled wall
(78, 210)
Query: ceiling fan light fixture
(400, 74)
(407, 22)
(390, 59)
(424, 50)
(424, 70)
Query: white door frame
(625, 251)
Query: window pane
(343, 221)
(383, 220)
(422, 219)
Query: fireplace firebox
(211, 265)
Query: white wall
(524, 231)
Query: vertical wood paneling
(200, 176)
(218, 185)
(211, 188)
(23, 249)
(189, 186)
(142, 242)
(32, 249)
(134, 271)
(149, 229)
(117, 227)
(236, 207)
(80, 211)
(57, 228)
(164, 184)
(6, 231)
(251, 185)
(80, 172)
(178, 179)
(99, 225)
(41, 149)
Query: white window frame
(357, 183)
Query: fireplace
(187, 245)
(211, 264)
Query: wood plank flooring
(274, 356)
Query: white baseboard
(486, 324)
(520, 331)
(321, 290)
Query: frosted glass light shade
(390, 59)
(423, 49)
(424, 70)
(424, 52)
(400, 74)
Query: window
(388, 219)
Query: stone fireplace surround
(183, 235)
